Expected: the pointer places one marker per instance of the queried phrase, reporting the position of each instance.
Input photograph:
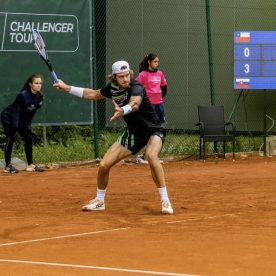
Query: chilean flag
(242, 37)
(242, 83)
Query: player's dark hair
(30, 79)
(144, 65)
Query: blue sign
(255, 60)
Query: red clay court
(224, 221)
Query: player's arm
(132, 106)
(84, 93)
(135, 102)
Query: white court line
(104, 231)
(98, 268)
(200, 218)
(63, 237)
(184, 220)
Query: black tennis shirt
(145, 119)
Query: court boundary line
(103, 267)
(201, 218)
(98, 268)
(108, 230)
(65, 236)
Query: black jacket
(21, 112)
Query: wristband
(76, 91)
(127, 109)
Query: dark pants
(26, 135)
(159, 109)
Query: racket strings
(40, 47)
(39, 44)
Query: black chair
(212, 128)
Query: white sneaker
(140, 159)
(34, 168)
(94, 205)
(10, 169)
(166, 207)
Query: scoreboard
(255, 60)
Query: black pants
(26, 135)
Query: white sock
(100, 194)
(163, 194)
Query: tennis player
(142, 129)
(18, 117)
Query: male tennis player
(143, 129)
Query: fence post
(44, 135)
(210, 54)
(93, 76)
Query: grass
(76, 144)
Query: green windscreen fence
(66, 29)
(194, 40)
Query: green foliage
(66, 135)
(78, 150)
(76, 143)
(179, 144)
(249, 143)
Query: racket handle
(54, 76)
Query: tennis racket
(40, 46)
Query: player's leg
(8, 148)
(114, 154)
(10, 137)
(27, 136)
(153, 148)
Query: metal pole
(93, 76)
(44, 135)
(234, 107)
(210, 55)
(265, 133)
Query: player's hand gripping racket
(40, 46)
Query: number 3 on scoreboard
(246, 68)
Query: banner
(65, 28)
(17, 27)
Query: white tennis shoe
(10, 169)
(94, 205)
(140, 159)
(166, 207)
(34, 168)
